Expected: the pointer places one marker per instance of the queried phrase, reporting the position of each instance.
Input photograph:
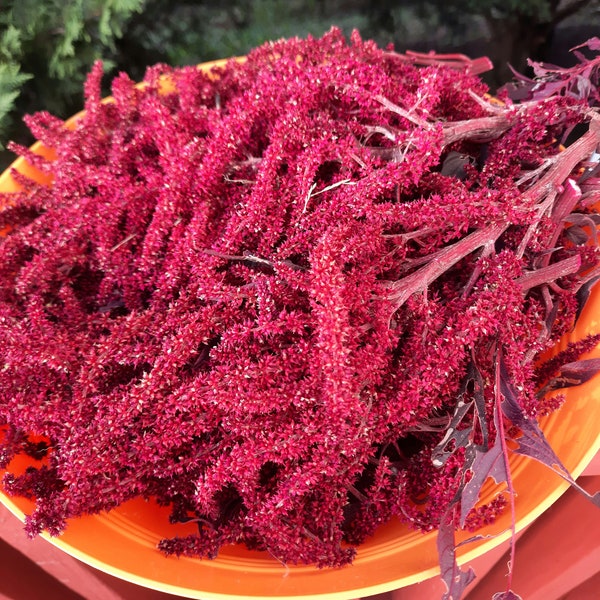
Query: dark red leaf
(583, 294)
(579, 372)
(492, 463)
(455, 579)
(508, 595)
(533, 442)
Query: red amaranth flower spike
(272, 297)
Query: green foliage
(11, 80)
(46, 49)
(273, 19)
(191, 32)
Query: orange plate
(123, 542)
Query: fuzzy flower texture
(278, 296)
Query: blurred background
(48, 46)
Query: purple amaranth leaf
(454, 165)
(456, 438)
(577, 235)
(591, 220)
(579, 81)
(576, 373)
(508, 595)
(491, 463)
(533, 442)
(454, 578)
(583, 294)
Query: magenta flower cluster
(258, 294)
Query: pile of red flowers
(290, 298)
